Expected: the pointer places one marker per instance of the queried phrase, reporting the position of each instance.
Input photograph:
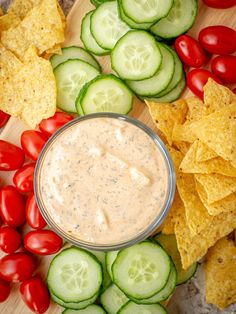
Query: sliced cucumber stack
(70, 78)
(87, 38)
(74, 306)
(106, 93)
(113, 299)
(106, 26)
(180, 19)
(132, 308)
(136, 56)
(74, 52)
(74, 275)
(146, 11)
(91, 309)
(98, 2)
(110, 258)
(169, 244)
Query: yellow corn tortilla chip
(196, 109)
(214, 165)
(8, 61)
(216, 186)
(216, 96)
(204, 153)
(21, 8)
(42, 27)
(28, 92)
(220, 274)
(176, 156)
(193, 248)
(197, 216)
(183, 132)
(166, 115)
(56, 49)
(7, 21)
(183, 147)
(1, 12)
(218, 131)
(225, 205)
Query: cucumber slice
(113, 299)
(73, 52)
(180, 19)
(91, 309)
(142, 270)
(130, 22)
(136, 56)
(74, 306)
(106, 93)
(98, 2)
(70, 78)
(110, 258)
(169, 244)
(132, 308)
(106, 26)
(159, 81)
(74, 275)
(165, 292)
(144, 11)
(87, 38)
(178, 74)
(174, 94)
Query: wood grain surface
(206, 17)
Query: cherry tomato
(51, 125)
(12, 157)
(33, 215)
(17, 267)
(220, 4)
(190, 51)
(32, 143)
(234, 90)
(4, 117)
(24, 178)
(218, 39)
(197, 78)
(225, 68)
(10, 239)
(12, 206)
(5, 290)
(35, 294)
(42, 242)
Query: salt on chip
(220, 274)
(196, 109)
(21, 8)
(7, 21)
(222, 206)
(193, 248)
(166, 115)
(42, 27)
(216, 186)
(204, 153)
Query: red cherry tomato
(16, 267)
(218, 39)
(197, 78)
(12, 157)
(33, 215)
(42, 242)
(5, 290)
(225, 68)
(220, 4)
(190, 51)
(4, 117)
(10, 239)
(51, 125)
(234, 90)
(32, 143)
(35, 294)
(24, 178)
(12, 206)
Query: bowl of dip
(104, 181)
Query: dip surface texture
(103, 181)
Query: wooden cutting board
(206, 16)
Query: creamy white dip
(103, 181)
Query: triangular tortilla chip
(183, 132)
(21, 8)
(7, 21)
(196, 109)
(204, 153)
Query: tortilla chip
(42, 27)
(183, 132)
(196, 109)
(21, 8)
(8, 61)
(166, 115)
(176, 156)
(216, 96)
(225, 205)
(214, 165)
(7, 21)
(197, 216)
(204, 153)
(193, 248)
(218, 131)
(183, 147)
(28, 91)
(216, 186)
(56, 49)
(220, 274)
(1, 12)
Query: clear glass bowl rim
(152, 227)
